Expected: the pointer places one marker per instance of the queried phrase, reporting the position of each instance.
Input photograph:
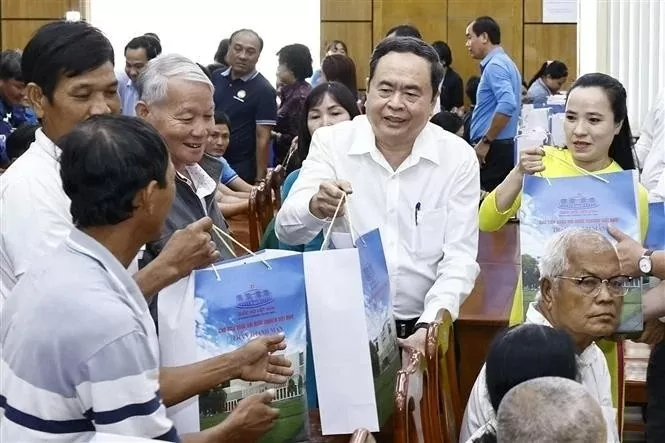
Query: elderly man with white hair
(581, 292)
(550, 410)
(175, 96)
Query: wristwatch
(645, 264)
(486, 140)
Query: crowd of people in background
(108, 170)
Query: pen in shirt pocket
(417, 210)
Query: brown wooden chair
(274, 179)
(260, 208)
(444, 409)
(410, 405)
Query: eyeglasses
(617, 286)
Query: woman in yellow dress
(598, 141)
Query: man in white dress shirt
(417, 183)
(581, 292)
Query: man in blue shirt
(498, 102)
(13, 113)
(250, 102)
(138, 52)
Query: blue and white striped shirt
(79, 351)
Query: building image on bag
(239, 389)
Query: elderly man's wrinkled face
(578, 304)
(400, 98)
(184, 120)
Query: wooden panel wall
(19, 19)
(529, 41)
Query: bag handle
(347, 216)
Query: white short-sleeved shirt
(35, 211)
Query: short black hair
(448, 121)
(298, 59)
(222, 119)
(525, 352)
(222, 50)
(153, 35)
(105, 161)
(472, 88)
(20, 140)
(404, 30)
(151, 45)
(10, 65)
(251, 31)
(445, 54)
(487, 25)
(409, 45)
(64, 48)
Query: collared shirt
(128, 93)
(650, 147)
(35, 211)
(499, 91)
(426, 210)
(248, 101)
(538, 90)
(593, 374)
(103, 368)
(201, 183)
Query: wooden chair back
(274, 179)
(260, 207)
(362, 436)
(444, 406)
(410, 399)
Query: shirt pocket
(428, 235)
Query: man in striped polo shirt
(79, 351)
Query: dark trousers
(656, 395)
(499, 162)
(405, 327)
(246, 169)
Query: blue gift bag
(655, 238)
(238, 301)
(551, 205)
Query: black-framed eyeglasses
(590, 284)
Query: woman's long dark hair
(621, 149)
(340, 93)
(554, 69)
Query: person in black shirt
(452, 87)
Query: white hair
(554, 260)
(550, 410)
(153, 81)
